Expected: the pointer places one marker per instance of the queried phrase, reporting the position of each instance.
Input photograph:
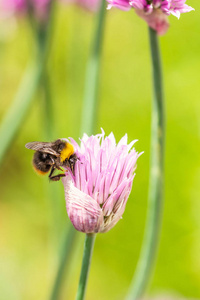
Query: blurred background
(32, 226)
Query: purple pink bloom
(97, 192)
(10, 7)
(40, 7)
(154, 12)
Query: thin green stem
(67, 245)
(24, 97)
(87, 125)
(31, 18)
(155, 197)
(89, 113)
(87, 254)
(19, 108)
(44, 34)
(49, 125)
(50, 134)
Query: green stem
(87, 254)
(89, 112)
(44, 34)
(19, 108)
(64, 256)
(53, 192)
(49, 125)
(155, 197)
(87, 124)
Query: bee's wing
(43, 147)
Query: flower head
(154, 12)
(97, 191)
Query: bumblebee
(51, 156)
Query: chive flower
(154, 12)
(97, 190)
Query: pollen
(66, 152)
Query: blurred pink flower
(10, 7)
(154, 12)
(97, 192)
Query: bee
(51, 156)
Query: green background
(32, 226)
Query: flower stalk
(155, 197)
(67, 245)
(18, 110)
(87, 255)
(49, 127)
(90, 100)
(89, 114)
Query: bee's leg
(51, 173)
(57, 167)
(56, 177)
(71, 162)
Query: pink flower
(12, 6)
(97, 192)
(177, 7)
(154, 12)
(121, 4)
(40, 7)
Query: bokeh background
(32, 226)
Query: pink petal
(83, 211)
